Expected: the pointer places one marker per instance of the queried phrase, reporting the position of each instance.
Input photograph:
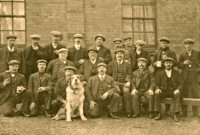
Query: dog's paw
(54, 118)
(84, 118)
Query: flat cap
(62, 50)
(42, 61)
(13, 62)
(78, 35)
(56, 33)
(140, 42)
(11, 36)
(117, 39)
(188, 41)
(100, 35)
(35, 36)
(168, 59)
(70, 68)
(127, 37)
(102, 64)
(142, 59)
(164, 39)
(92, 48)
(119, 50)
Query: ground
(100, 126)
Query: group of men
(38, 77)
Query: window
(12, 20)
(139, 20)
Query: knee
(126, 90)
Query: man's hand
(128, 84)
(41, 89)
(6, 81)
(32, 106)
(105, 95)
(177, 91)
(187, 62)
(158, 91)
(92, 104)
(134, 92)
(81, 61)
(20, 89)
(150, 92)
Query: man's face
(168, 65)
(99, 41)
(11, 41)
(118, 44)
(188, 46)
(69, 73)
(13, 68)
(78, 41)
(102, 70)
(139, 47)
(41, 67)
(35, 41)
(164, 44)
(127, 42)
(92, 55)
(63, 55)
(55, 38)
(119, 56)
(142, 64)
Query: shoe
(47, 113)
(158, 117)
(128, 115)
(135, 115)
(150, 115)
(113, 115)
(175, 118)
(26, 114)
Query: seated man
(13, 91)
(60, 89)
(143, 85)
(102, 94)
(168, 85)
(40, 87)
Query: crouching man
(13, 91)
(168, 85)
(143, 84)
(41, 88)
(102, 94)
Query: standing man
(40, 87)
(103, 52)
(161, 53)
(189, 63)
(168, 85)
(56, 68)
(13, 90)
(10, 52)
(77, 53)
(102, 94)
(52, 48)
(143, 85)
(89, 67)
(121, 73)
(138, 53)
(31, 54)
(118, 43)
(129, 48)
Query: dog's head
(75, 82)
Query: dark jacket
(60, 89)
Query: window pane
(19, 23)
(127, 2)
(138, 25)
(138, 11)
(150, 38)
(6, 23)
(148, 1)
(127, 25)
(5, 8)
(150, 25)
(127, 11)
(138, 36)
(4, 34)
(149, 11)
(20, 37)
(18, 8)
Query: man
(103, 52)
(129, 48)
(89, 67)
(189, 63)
(143, 85)
(121, 73)
(56, 68)
(31, 54)
(138, 53)
(41, 89)
(168, 85)
(52, 48)
(13, 91)
(10, 52)
(161, 53)
(102, 94)
(60, 89)
(118, 43)
(77, 53)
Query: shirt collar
(10, 49)
(77, 46)
(93, 61)
(54, 45)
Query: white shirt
(169, 73)
(10, 49)
(54, 45)
(138, 52)
(98, 47)
(77, 46)
(101, 77)
(93, 61)
(189, 53)
(119, 62)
